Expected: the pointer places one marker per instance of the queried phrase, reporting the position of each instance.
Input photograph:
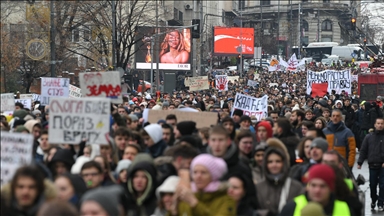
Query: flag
(292, 62)
(283, 63)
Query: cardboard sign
(16, 151)
(319, 89)
(221, 82)
(74, 92)
(101, 85)
(71, 120)
(26, 102)
(53, 88)
(7, 102)
(202, 119)
(252, 106)
(252, 83)
(337, 80)
(26, 96)
(197, 83)
(233, 78)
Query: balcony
(175, 18)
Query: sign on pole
(53, 88)
(71, 120)
(252, 106)
(7, 102)
(16, 151)
(101, 85)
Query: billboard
(174, 48)
(227, 41)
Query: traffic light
(353, 23)
(196, 29)
(365, 41)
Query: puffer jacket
(372, 149)
(342, 140)
(270, 190)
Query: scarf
(211, 187)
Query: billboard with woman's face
(173, 49)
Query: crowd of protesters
(296, 161)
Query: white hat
(80, 161)
(123, 164)
(168, 186)
(157, 107)
(155, 132)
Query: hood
(62, 155)
(157, 149)
(155, 132)
(231, 157)
(29, 124)
(338, 101)
(78, 184)
(80, 161)
(151, 174)
(277, 147)
(367, 106)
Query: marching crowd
(296, 161)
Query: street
(365, 172)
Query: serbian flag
(319, 89)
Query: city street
(365, 172)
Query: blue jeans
(376, 176)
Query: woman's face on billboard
(173, 39)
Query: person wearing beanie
(21, 129)
(205, 195)
(70, 188)
(134, 123)
(237, 114)
(257, 163)
(184, 128)
(164, 194)
(321, 180)
(122, 170)
(153, 139)
(263, 131)
(103, 201)
(341, 138)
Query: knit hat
(123, 165)
(21, 113)
(216, 166)
(80, 161)
(155, 132)
(165, 104)
(186, 127)
(320, 143)
(312, 208)
(161, 121)
(133, 117)
(323, 103)
(21, 128)
(238, 112)
(267, 126)
(107, 197)
(35, 112)
(245, 118)
(323, 172)
(168, 186)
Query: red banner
(229, 40)
(319, 89)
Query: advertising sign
(174, 49)
(230, 40)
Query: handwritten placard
(27, 103)
(71, 120)
(337, 80)
(252, 106)
(53, 88)
(26, 96)
(101, 85)
(202, 119)
(74, 92)
(197, 83)
(252, 83)
(232, 79)
(7, 102)
(221, 82)
(16, 151)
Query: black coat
(372, 149)
(290, 142)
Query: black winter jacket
(373, 149)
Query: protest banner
(252, 83)
(101, 84)
(232, 79)
(16, 151)
(252, 106)
(355, 78)
(72, 119)
(53, 88)
(221, 82)
(7, 102)
(36, 97)
(337, 80)
(74, 92)
(202, 119)
(26, 96)
(27, 103)
(197, 83)
(319, 89)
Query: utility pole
(318, 25)
(278, 28)
(365, 40)
(201, 65)
(113, 34)
(241, 41)
(261, 34)
(52, 42)
(151, 78)
(196, 42)
(299, 28)
(157, 45)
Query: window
(17, 33)
(76, 35)
(87, 35)
(180, 16)
(304, 41)
(326, 38)
(265, 2)
(241, 4)
(305, 25)
(326, 25)
(326, 1)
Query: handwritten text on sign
(27, 103)
(53, 88)
(16, 151)
(7, 102)
(252, 106)
(71, 120)
(222, 82)
(337, 80)
(105, 84)
(74, 92)
(197, 83)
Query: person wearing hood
(205, 195)
(369, 116)
(184, 128)
(263, 132)
(27, 191)
(153, 139)
(141, 186)
(34, 127)
(277, 188)
(239, 187)
(164, 194)
(61, 162)
(340, 138)
(70, 188)
(283, 131)
(229, 124)
(257, 163)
